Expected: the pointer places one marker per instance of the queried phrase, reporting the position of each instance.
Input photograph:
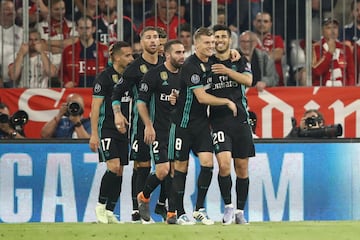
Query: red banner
(274, 107)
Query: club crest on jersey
(97, 88)
(164, 76)
(203, 68)
(115, 78)
(143, 68)
(233, 67)
(195, 79)
(94, 54)
(144, 87)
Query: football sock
(179, 189)
(242, 190)
(133, 189)
(151, 183)
(163, 191)
(105, 186)
(142, 175)
(114, 193)
(203, 184)
(225, 184)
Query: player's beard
(176, 64)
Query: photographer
(312, 125)
(69, 122)
(7, 129)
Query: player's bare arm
(208, 99)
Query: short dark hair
(146, 29)
(220, 27)
(184, 27)
(116, 47)
(168, 45)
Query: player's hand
(173, 96)
(149, 134)
(121, 123)
(260, 86)
(232, 106)
(234, 55)
(219, 68)
(94, 143)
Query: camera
(16, 121)
(331, 131)
(310, 122)
(74, 109)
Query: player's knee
(162, 170)
(114, 166)
(224, 168)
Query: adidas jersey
(103, 88)
(132, 77)
(155, 89)
(225, 87)
(194, 74)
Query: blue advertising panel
(59, 182)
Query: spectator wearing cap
(332, 63)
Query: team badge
(164, 76)
(144, 87)
(97, 88)
(143, 68)
(233, 67)
(115, 78)
(203, 68)
(195, 79)
(94, 54)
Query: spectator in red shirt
(165, 18)
(333, 63)
(82, 61)
(272, 44)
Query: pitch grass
(339, 230)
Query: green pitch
(347, 230)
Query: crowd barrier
(274, 107)
(58, 181)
